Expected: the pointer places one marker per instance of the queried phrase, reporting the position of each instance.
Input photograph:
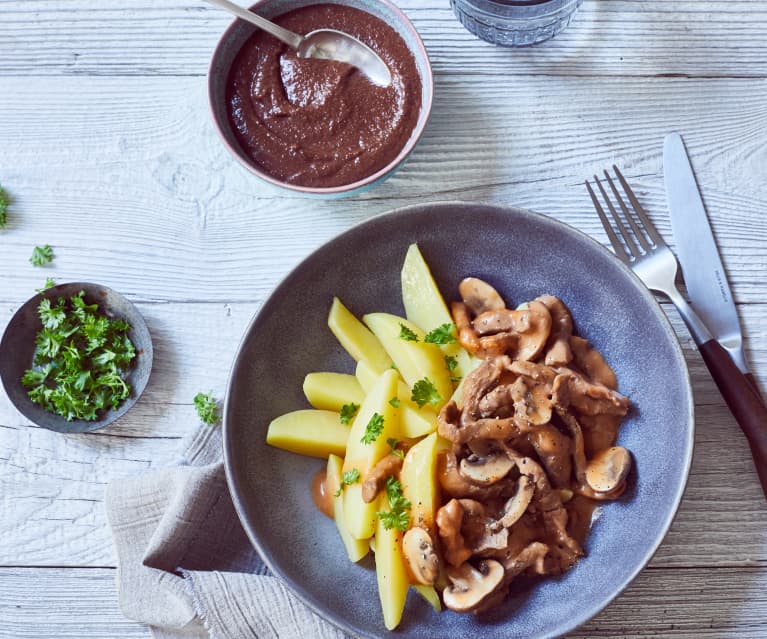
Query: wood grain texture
(126, 178)
(606, 37)
(661, 603)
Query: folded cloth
(185, 565)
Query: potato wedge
(419, 482)
(425, 306)
(390, 570)
(356, 549)
(317, 433)
(358, 341)
(331, 391)
(360, 517)
(429, 593)
(414, 360)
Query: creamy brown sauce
(320, 123)
(321, 495)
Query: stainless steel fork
(644, 250)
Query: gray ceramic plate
(523, 255)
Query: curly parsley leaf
(394, 401)
(49, 283)
(393, 446)
(41, 255)
(441, 335)
(406, 334)
(348, 478)
(80, 359)
(373, 429)
(206, 407)
(452, 362)
(4, 202)
(424, 392)
(397, 516)
(348, 411)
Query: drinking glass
(515, 23)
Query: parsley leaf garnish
(48, 284)
(406, 334)
(394, 401)
(424, 392)
(348, 478)
(394, 450)
(348, 411)
(373, 429)
(3, 208)
(205, 405)
(398, 516)
(441, 335)
(451, 362)
(41, 255)
(80, 359)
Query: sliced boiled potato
(331, 391)
(414, 360)
(390, 570)
(356, 549)
(366, 375)
(419, 482)
(360, 517)
(430, 594)
(358, 341)
(317, 433)
(425, 306)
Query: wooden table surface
(109, 154)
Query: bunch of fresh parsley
(80, 359)
(398, 515)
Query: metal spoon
(322, 44)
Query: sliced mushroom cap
(607, 470)
(558, 351)
(422, 559)
(470, 586)
(528, 330)
(516, 506)
(532, 400)
(479, 296)
(485, 471)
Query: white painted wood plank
(126, 178)
(683, 604)
(607, 37)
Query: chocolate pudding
(320, 123)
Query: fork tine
(648, 225)
(633, 250)
(635, 227)
(617, 246)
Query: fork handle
(743, 400)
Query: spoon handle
(288, 37)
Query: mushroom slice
(516, 506)
(606, 472)
(422, 559)
(528, 329)
(486, 470)
(558, 350)
(470, 586)
(479, 296)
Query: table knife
(710, 293)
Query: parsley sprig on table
(80, 359)
(397, 516)
(3, 208)
(41, 255)
(205, 405)
(424, 392)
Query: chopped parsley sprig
(441, 335)
(206, 407)
(41, 255)
(407, 334)
(80, 359)
(348, 478)
(393, 442)
(4, 201)
(398, 515)
(373, 429)
(424, 392)
(348, 411)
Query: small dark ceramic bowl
(17, 350)
(523, 255)
(238, 33)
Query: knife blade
(698, 254)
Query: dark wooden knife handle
(750, 379)
(743, 400)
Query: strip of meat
(376, 478)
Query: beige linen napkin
(185, 566)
